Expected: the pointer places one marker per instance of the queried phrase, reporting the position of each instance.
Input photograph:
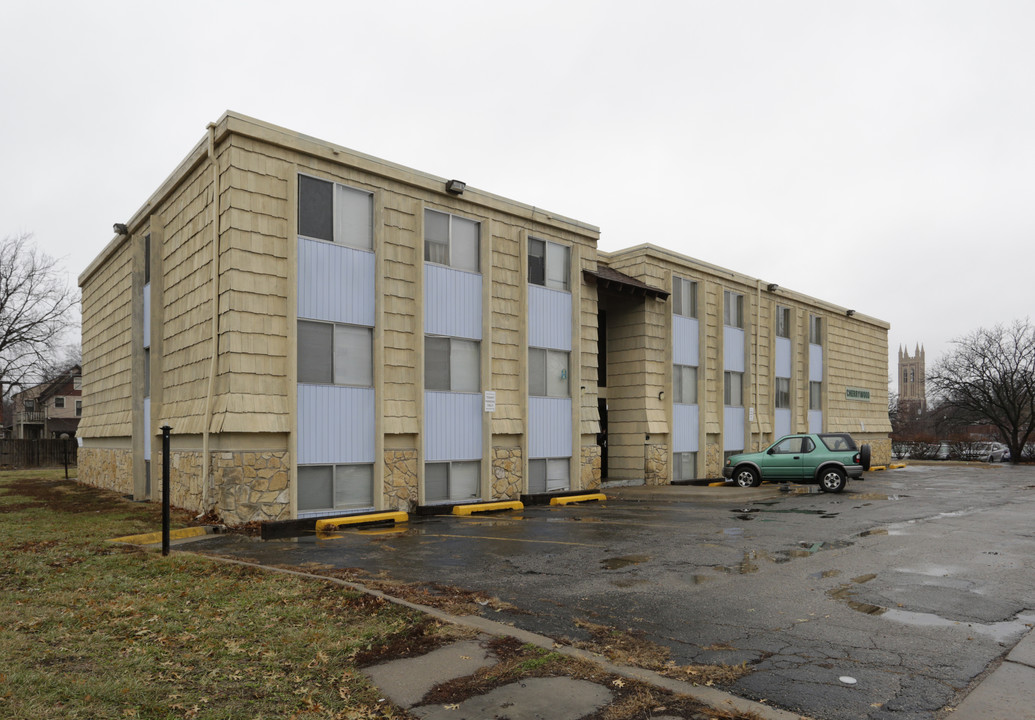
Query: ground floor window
(452, 481)
(548, 474)
(335, 487)
(684, 466)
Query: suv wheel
(832, 479)
(746, 477)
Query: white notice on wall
(490, 401)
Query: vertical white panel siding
(452, 426)
(549, 427)
(733, 349)
(452, 302)
(147, 315)
(147, 428)
(815, 363)
(733, 428)
(815, 421)
(783, 357)
(783, 422)
(335, 424)
(549, 318)
(685, 341)
(685, 428)
(335, 283)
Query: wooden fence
(37, 453)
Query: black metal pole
(66, 458)
(165, 489)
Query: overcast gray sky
(879, 154)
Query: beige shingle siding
(507, 280)
(107, 348)
(401, 249)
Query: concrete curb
(709, 696)
(1008, 692)
(156, 537)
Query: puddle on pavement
(845, 592)
(875, 531)
(617, 563)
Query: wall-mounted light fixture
(771, 287)
(120, 229)
(849, 313)
(456, 187)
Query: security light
(771, 287)
(456, 187)
(120, 229)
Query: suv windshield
(838, 442)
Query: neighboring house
(327, 332)
(50, 409)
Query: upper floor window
(783, 393)
(548, 373)
(733, 389)
(335, 354)
(78, 408)
(733, 309)
(815, 395)
(147, 259)
(684, 297)
(783, 322)
(452, 364)
(30, 405)
(59, 402)
(451, 240)
(815, 330)
(549, 264)
(335, 213)
(684, 384)
(77, 382)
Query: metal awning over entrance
(621, 284)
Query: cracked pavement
(911, 582)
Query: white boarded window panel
(685, 341)
(686, 428)
(464, 244)
(549, 427)
(733, 349)
(452, 303)
(353, 486)
(464, 480)
(557, 375)
(353, 356)
(816, 363)
(335, 283)
(557, 471)
(464, 366)
(783, 357)
(549, 318)
(452, 426)
(733, 428)
(557, 266)
(335, 424)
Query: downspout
(206, 476)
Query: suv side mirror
(771, 451)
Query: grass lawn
(94, 630)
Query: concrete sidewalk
(1008, 693)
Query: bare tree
(36, 308)
(990, 378)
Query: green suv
(825, 458)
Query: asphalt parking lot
(912, 582)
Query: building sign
(857, 394)
(490, 401)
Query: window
(815, 396)
(815, 330)
(548, 475)
(30, 405)
(335, 213)
(451, 240)
(548, 373)
(335, 487)
(783, 322)
(684, 466)
(783, 393)
(549, 264)
(446, 481)
(733, 395)
(792, 445)
(147, 259)
(452, 364)
(905, 375)
(684, 384)
(335, 354)
(77, 382)
(733, 312)
(684, 297)
(78, 408)
(59, 402)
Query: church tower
(912, 388)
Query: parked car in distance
(988, 452)
(825, 458)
